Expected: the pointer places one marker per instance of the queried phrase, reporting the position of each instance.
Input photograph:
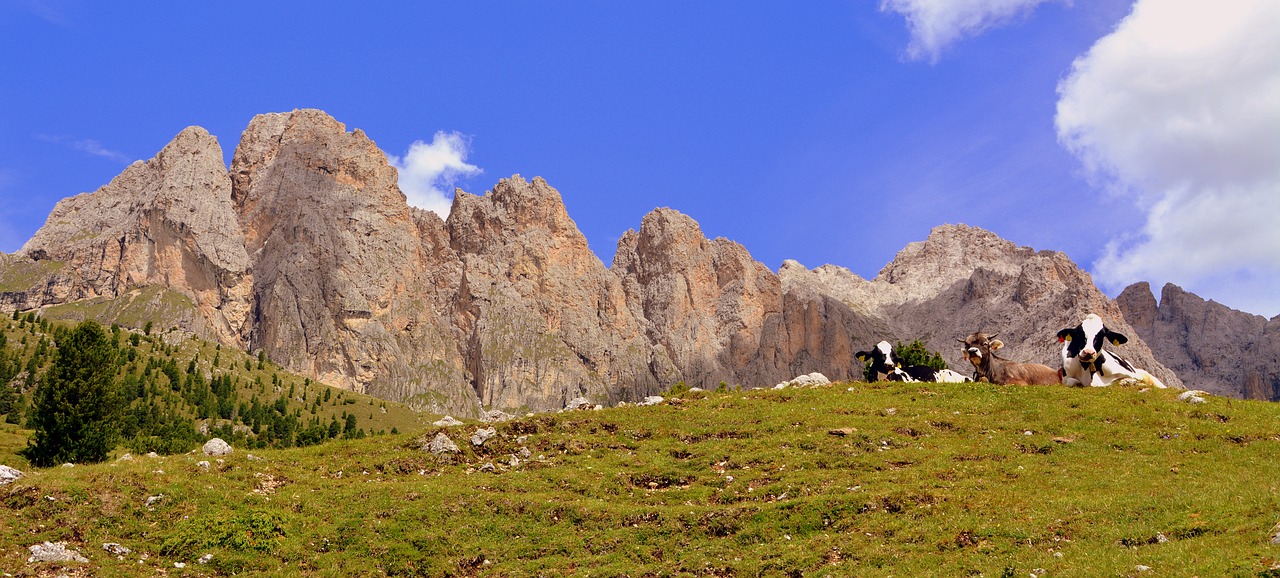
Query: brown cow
(979, 349)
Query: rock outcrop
(1210, 346)
(165, 222)
(307, 250)
(721, 316)
(343, 283)
(543, 321)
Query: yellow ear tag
(1068, 337)
(1115, 342)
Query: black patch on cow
(922, 373)
(1124, 362)
(898, 376)
(1094, 366)
(879, 363)
(1075, 340)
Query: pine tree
(77, 406)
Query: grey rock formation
(216, 447)
(483, 435)
(441, 444)
(814, 379)
(8, 474)
(166, 222)
(339, 260)
(1211, 346)
(544, 321)
(1193, 396)
(447, 421)
(54, 552)
(721, 316)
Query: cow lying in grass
(1085, 363)
(887, 367)
(979, 349)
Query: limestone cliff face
(723, 317)
(544, 321)
(168, 221)
(706, 303)
(339, 263)
(822, 327)
(1211, 346)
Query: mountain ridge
(503, 304)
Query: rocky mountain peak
(167, 222)
(1215, 348)
(925, 268)
(336, 254)
(514, 208)
(307, 161)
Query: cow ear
(1116, 338)
(862, 355)
(1064, 335)
(996, 344)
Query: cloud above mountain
(1179, 109)
(86, 145)
(428, 171)
(936, 24)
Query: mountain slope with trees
(174, 391)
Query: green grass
(19, 275)
(936, 480)
(163, 307)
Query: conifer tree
(77, 406)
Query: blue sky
(826, 132)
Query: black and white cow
(887, 367)
(1085, 363)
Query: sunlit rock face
(350, 285)
(168, 221)
(1211, 346)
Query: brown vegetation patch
(721, 435)
(268, 484)
(657, 481)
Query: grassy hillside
(848, 480)
(184, 390)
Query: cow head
(884, 360)
(978, 346)
(1085, 340)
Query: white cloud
(50, 11)
(87, 146)
(428, 171)
(1179, 108)
(936, 24)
